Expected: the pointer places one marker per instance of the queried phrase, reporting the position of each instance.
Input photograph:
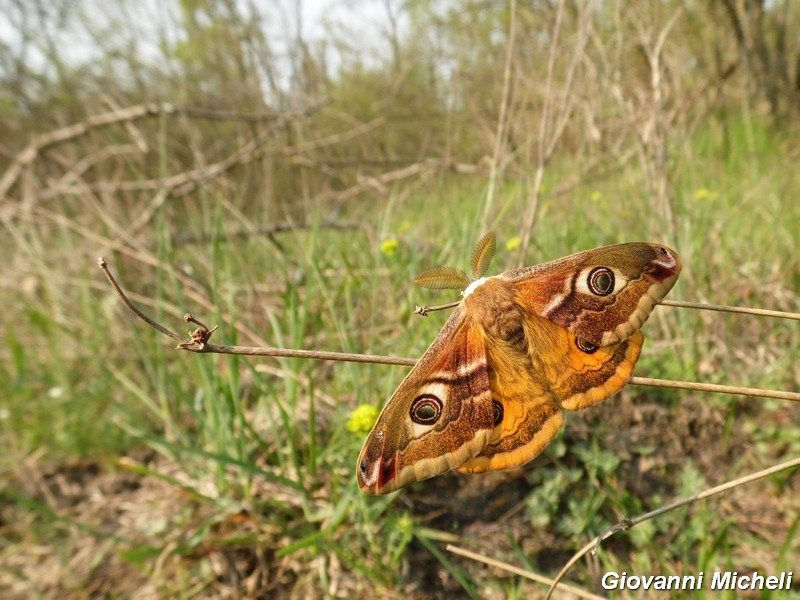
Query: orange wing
(602, 295)
(440, 416)
(532, 387)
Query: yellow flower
(513, 243)
(596, 195)
(705, 194)
(362, 419)
(389, 246)
(405, 525)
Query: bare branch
(759, 312)
(123, 115)
(198, 342)
(131, 306)
(551, 129)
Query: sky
(78, 33)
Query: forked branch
(198, 342)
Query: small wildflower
(513, 243)
(389, 246)
(405, 525)
(362, 419)
(705, 194)
(596, 196)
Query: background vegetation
(285, 178)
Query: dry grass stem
(522, 572)
(551, 129)
(502, 118)
(759, 312)
(625, 524)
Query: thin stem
(760, 312)
(131, 306)
(517, 571)
(198, 342)
(626, 524)
(500, 133)
(716, 388)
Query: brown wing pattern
(450, 384)
(532, 387)
(567, 290)
(526, 407)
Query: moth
(519, 349)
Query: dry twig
(198, 342)
(550, 132)
(502, 118)
(124, 115)
(522, 572)
(625, 524)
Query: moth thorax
(473, 286)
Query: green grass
(250, 460)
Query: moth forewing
(440, 416)
(602, 296)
